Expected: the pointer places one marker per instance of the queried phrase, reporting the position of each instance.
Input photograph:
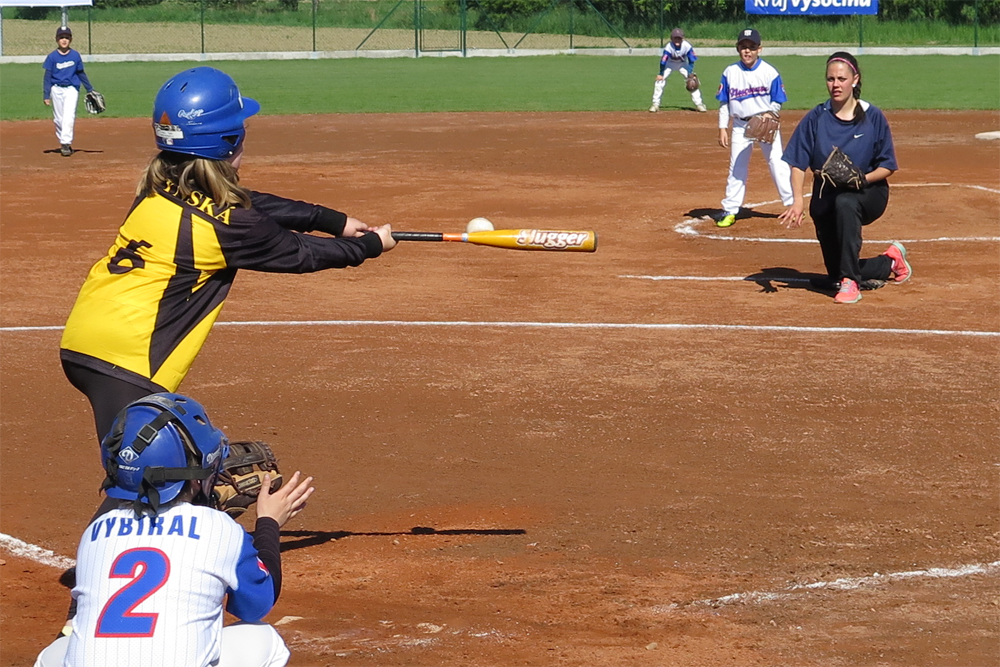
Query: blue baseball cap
(748, 35)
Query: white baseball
(479, 225)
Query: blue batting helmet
(201, 112)
(155, 445)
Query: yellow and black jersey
(146, 308)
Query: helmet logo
(190, 115)
(128, 455)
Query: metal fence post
(416, 28)
(315, 8)
(203, 27)
(463, 27)
(90, 38)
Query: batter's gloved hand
(763, 127)
(242, 475)
(94, 102)
(840, 172)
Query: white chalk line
(22, 549)
(687, 227)
(843, 584)
(577, 325)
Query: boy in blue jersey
(749, 87)
(61, 87)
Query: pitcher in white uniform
(152, 574)
(749, 87)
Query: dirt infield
(718, 486)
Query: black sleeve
(299, 216)
(267, 542)
(254, 240)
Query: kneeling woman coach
(146, 308)
(860, 130)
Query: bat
(514, 239)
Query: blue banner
(810, 7)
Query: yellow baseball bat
(514, 239)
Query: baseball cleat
(701, 107)
(849, 292)
(66, 150)
(654, 108)
(901, 269)
(727, 220)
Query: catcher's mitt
(94, 102)
(692, 83)
(763, 127)
(840, 172)
(243, 474)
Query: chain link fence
(372, 27)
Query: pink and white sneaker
(849, 292)
(901, 270)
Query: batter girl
(861, 130)
(146, 308)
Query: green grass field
(543, 83)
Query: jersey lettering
(148, 569)
(130, 254)
(125, 527)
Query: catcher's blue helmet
(201, 112)
(147, 452)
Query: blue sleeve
(723, 94)
(47, 79)
(798, 152)
(253, 596)
(663, 61)
(885, 151)
(83, 75)
(692, 57)
(778, 91)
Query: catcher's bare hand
(287, 501)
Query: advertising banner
(810, 7)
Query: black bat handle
(418, 236)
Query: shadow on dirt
(310, 538)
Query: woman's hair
(852, 62)
(216, 179)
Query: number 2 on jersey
(148, 569)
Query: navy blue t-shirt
(868, 143)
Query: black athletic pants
(839, 217)
(107, 395)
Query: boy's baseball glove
(691, 83)
(242, 476)
(94, 102)
(763, 127)
(840, 172)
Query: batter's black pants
(107, 395)
(839, 217)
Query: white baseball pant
(659, 85)
(64, 99)
(740, 149)
(243, 645)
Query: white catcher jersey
(749, 92)
(150, 592)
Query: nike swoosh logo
(858, 136)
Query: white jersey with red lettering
(150, 592)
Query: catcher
(847, 144)
(678, 56)
(155, 573)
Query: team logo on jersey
(263, 568)
(128, 455)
